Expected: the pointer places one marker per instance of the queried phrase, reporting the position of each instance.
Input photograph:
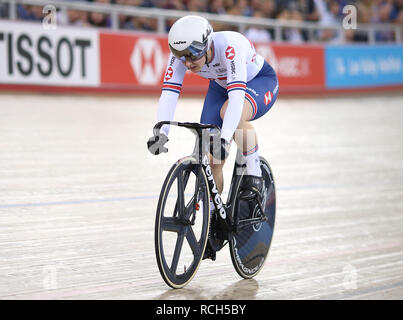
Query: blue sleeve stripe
(173, 83)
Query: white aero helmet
(190, 37)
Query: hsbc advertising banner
(69, 59)
(31, 54)
(132, 60)
(297, 67)
(139, 63)
(142, 62)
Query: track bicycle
(188, 231)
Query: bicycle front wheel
(182, 223)
(250, 245)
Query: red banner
(297, 67)
(132, 60)
(140, 60)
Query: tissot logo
(30, 55)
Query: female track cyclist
(243, 87)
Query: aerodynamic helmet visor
(194, 52)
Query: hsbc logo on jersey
(268, 97)
(230, 53)
(169, 74)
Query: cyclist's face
(196, 65)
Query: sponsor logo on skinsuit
(268, 97)
(230, 53)
(169, 74)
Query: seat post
(202, 137)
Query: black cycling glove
(156, 144)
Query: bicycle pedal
(249, 195)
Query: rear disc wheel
(250, 246)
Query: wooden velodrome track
(78, 193)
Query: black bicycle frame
(201, 154)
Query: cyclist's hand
(156, 144)
(219, 148)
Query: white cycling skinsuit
(234, 62)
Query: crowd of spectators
(323, 12)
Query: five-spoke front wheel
(182, 223)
